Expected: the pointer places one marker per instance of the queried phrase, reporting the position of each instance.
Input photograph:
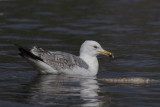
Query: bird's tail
(26, 53)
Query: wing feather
(59, 60)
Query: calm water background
(128, 28)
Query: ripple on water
(21, 20)
(21, 26)
(69, 31)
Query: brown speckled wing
(59, 60)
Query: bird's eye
(95, 47)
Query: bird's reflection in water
(64, 90)
(89, 93)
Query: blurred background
(130, 29)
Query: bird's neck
(92, 63)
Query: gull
(57, 62)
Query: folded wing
(59, 60)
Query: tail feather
(24, 52)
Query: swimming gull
(55, 62)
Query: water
(128, 28)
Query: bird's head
(93, 48)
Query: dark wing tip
(24, 52)
(16, 45)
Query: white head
(93, 48)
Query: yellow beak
(109, 54)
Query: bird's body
(56, 62)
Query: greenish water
(128, 28)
